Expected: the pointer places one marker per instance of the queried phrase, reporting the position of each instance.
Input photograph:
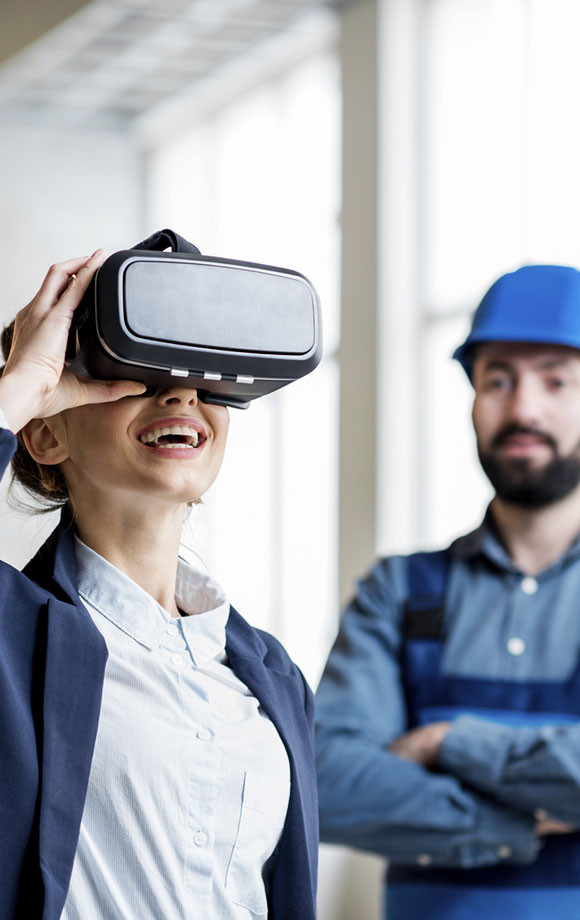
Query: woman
(156, 749)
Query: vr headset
(233, 330)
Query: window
(259, 180)
(499, 187)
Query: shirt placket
(202, 775)
(518, 633)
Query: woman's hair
(45, 484)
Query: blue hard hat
(536, 303)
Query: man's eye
(556, 383)
(497, 383)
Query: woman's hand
(36, 383)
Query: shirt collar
(140, 616)
(484, 541)
(207, 609)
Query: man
(449, 710)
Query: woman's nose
(177, 396)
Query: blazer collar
(54, 567)
(243, 641)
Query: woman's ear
(45, 441)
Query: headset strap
(161, 239)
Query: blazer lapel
(76, 656)
(75, 667)
(281, 693)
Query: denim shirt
(495, 778)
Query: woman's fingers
(42, 326)
(102, 391)
(56, 281)
(75, 282)
(36, 360)
(73, 391)
(57, 289)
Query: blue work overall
(548, 887)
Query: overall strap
(425, 605)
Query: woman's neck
(141, 544)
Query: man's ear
(45, 441)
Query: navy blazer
(52, 666)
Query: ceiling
(112, 63)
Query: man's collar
(485, 541)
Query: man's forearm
(374, 800)
(536, 770)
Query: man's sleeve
(534, 769)
(369, 797)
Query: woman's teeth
(175, 435)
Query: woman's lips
(174, 437)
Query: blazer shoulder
(276, 655)
(28, 590)
(245, 640)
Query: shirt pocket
(262, 816)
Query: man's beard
(517, 482)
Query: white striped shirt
(190, 781)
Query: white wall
(61, 195)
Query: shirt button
(204, 734)
(529, 584)
(424, 859)
(516, 646)
(504, 852)
(177, 660)
(173, 627)
(200, 839)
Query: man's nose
(525, 402)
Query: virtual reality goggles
(233, 330)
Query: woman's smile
(177, 438)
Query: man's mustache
(510, 430)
